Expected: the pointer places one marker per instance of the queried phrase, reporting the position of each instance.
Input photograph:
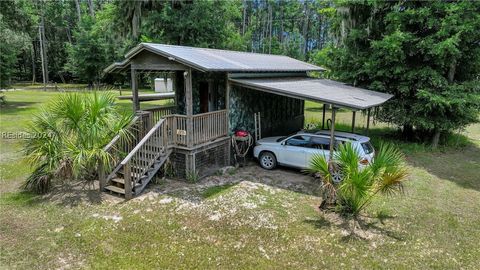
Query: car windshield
(367, 147)
(284, 137)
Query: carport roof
(320, 90)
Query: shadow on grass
(216, 190)
(69, 195)
(15, 107)
(457, 158)
(73, 194)
(364, 228)
(319, 223)
(22, 198)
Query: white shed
(163, 87)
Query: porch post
(136, 104)
(323, 116)
(189, 106)
(227, 108)
(227, 103)
(368, 120)
(353, 121)
(332, 133)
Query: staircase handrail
(142, 142)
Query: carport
(333, 93)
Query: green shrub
(385, 174)
(68, 137)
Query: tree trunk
(91, 8)
(44, 77)
(244, 16)
(451, 71)
(407, 131)
(435, 138)
(34, 78)
(79, 11)
(270, 13)
(43, 48)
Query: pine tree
(425, 53)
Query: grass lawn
(248, 218)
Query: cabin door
(204, 97)
(208, 97)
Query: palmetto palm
(385, 174)
(69, 134)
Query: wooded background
(427, 54)
(74, 40)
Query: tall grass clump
(68, 137)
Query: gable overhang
(214, 60)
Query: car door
(318, 145)
(292, 152)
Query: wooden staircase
(137, 169)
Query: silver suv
(297, 150)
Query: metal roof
(221, 60)
(321, 90)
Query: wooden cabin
(216, 92)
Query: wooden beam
(227, 102)
(189, 105)
(354, 114)
(368, 120)
(102, 177)
(332, 134)
(227, 108)
(159, 67)
(323, 116)
(134, 84)
(127, 177)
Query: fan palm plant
(74, 128)
(360, 184)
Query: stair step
(135, 173)
(116, 189)
(122, 181)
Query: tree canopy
(74, 40)
(425, 53)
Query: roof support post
(332, 133)
(227, 108)
(368, 120)
(134, 85)
(189, 105)
(354, 114)
(227, 102)
(323, 116)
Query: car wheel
(268, 160)
(337, 176)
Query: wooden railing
(161, 111)
(206, 127)
(140, 150)
(145, 153)
(119, 147)
(179, 127)
(209, 126)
